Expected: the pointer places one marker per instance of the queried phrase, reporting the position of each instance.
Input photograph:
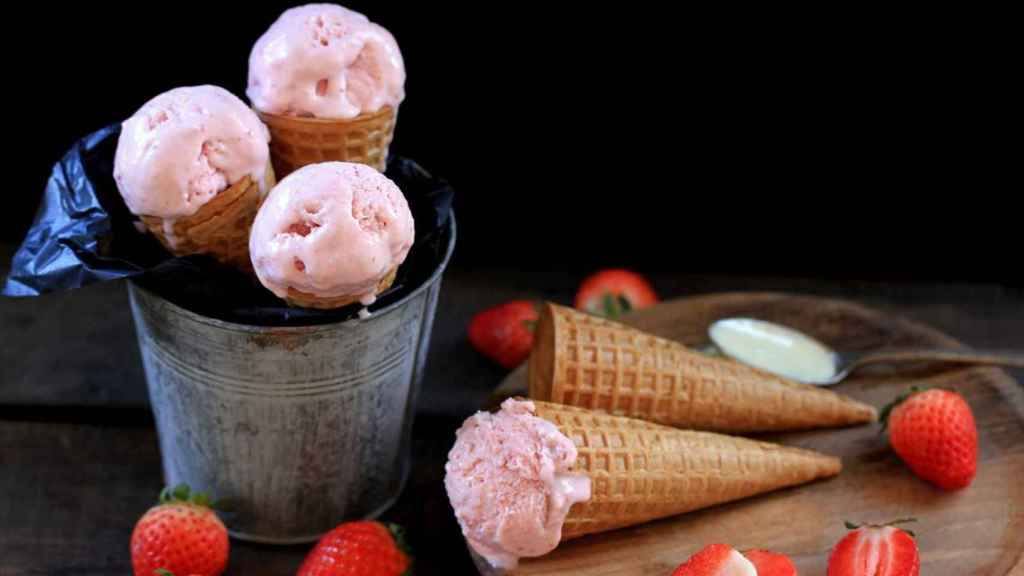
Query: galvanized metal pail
(298, 428)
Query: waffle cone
(297, 141)
(586, 361)
(304, 300)
(220, 228)
(641, 471)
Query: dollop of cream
(775, 348)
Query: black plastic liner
(84, 233)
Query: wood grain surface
(976, 531)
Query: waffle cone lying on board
(511, 474)
(586, 361)
(642, 471)
(220, 228)
(298, 141)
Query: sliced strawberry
(505, 333)
(875, 551)
(770, 563)
(614, 292)
(716, 560)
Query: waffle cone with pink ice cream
(533, 474)
(194, 165)
(328, 83)
(330, 235)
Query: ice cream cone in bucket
(590, 362)
(641, 471)
(220, 228)
(297, 141)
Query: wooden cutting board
(975, 531)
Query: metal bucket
(298, 428)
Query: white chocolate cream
(775, 348)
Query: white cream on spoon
(775, 348)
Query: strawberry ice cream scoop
(509, 483)
(325, 61)
(331, 229)
(184, 147)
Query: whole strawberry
(614, 292)
(934, 433)
(875, 551)
(181, 535)
(504, 333)
(359, 549)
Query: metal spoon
(793, 354)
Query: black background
(851, 145)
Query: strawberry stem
(182, 493)
(398, 534)
(883, 416)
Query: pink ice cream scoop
(508, 480)
(184, 147)
(331, 229)
(325, 61)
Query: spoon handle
(990, 357)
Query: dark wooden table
(78, 451)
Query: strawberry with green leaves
(359, 549)
(875, 550)
(612, 293)
(181, 535)
(934, 433)
(504, 333)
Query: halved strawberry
(875, 551)
(614, 292)
(716, 560)
(770, 563)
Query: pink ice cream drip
(184, 147)
(331, 229)
(508, 480)
(325, 61)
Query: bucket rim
(312, 328)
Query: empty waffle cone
(220, 228)
(641, 471)
(586, 361)
(304, 300)
(298, 141)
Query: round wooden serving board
(975, 531)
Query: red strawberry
(716, 560)
(181, 535)
(934, 433)
(614, 292)
(505, 333)
(875, 551)
(770, 563)
(163, 572)
(359, 549)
